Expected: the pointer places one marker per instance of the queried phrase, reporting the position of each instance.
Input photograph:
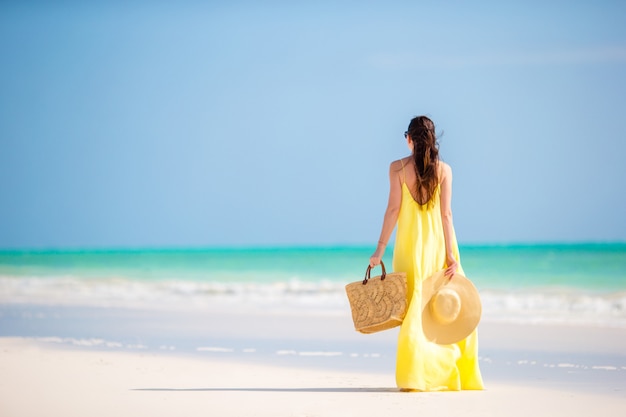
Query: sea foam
(538, 305)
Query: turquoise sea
(528, 283)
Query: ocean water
(578, 283)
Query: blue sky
(273, 123)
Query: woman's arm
(446, 218)
(391, 214)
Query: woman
(420, 203)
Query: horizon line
(283, 247)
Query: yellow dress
(420, 251)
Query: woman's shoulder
(398, 165)
(445, 170)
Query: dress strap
(403, 172)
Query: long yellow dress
(420, 251)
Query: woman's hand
(377, 256)
(452, 266)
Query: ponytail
(425, 158)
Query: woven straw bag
(378, 303)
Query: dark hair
(425, 156)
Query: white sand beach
(286, 365)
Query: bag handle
(369, 269)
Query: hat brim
(468, 317)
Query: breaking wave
(538, 305)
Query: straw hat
(451, 308)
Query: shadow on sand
(362, 390)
